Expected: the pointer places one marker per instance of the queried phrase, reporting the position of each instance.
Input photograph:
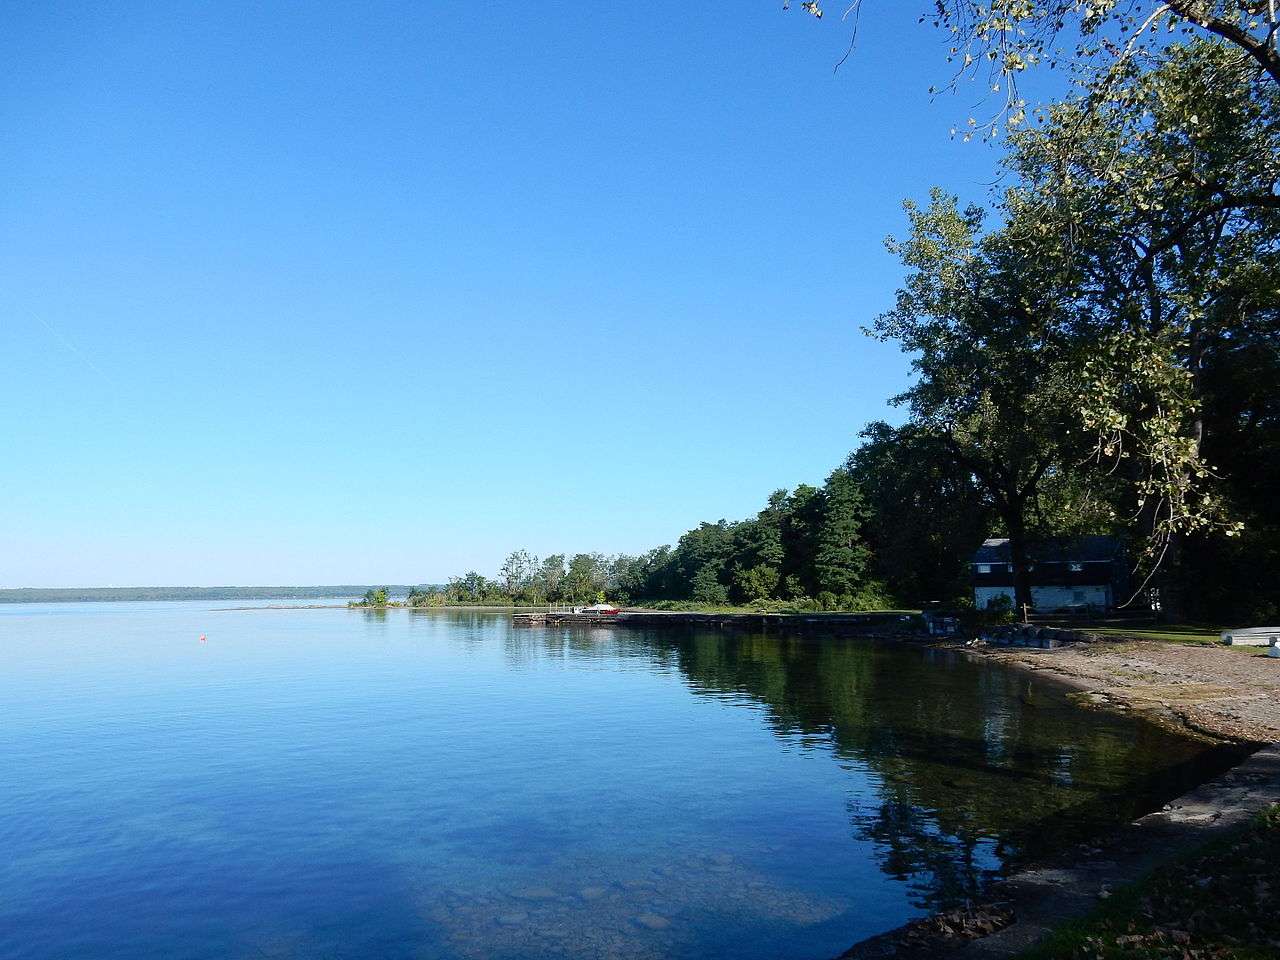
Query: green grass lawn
(1218, 903)
(1169, 632)
(1196, 635)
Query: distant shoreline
(177, 594)
(491, 608)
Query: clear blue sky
(316, 293)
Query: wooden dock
(541, 617)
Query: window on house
(984, 568)
(1077, 567)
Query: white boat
(1251, 637)
(599, 609)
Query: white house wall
(1049, 598)
(982, 596)
(1063, 598)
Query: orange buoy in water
(203, 638)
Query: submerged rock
(534, 893)
(652, 921)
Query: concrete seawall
(844, 622)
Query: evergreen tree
(840, 560)
(800, 527)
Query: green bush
(998, 611)
(872, 595)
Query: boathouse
(1082, 574)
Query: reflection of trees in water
(974, 765)
(915, 725)
(941, 868)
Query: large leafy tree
(1143, 225)
(648, 576)
(801, 524)
(586, 577)
(549, 578)
(1163, 208)
(517, 575)
(756, 568)
(992, 340)
(926, 514)
(701, 557)
(1234, 579)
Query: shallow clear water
(335, 783)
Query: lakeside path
(1225, 693)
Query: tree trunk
(1173, 606)
(1016, 524)
(1173, 602)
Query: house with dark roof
(1078, 574)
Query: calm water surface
(349, 784)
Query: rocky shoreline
(1219, 694)
(1027, 906)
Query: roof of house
(1079, 549)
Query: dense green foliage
(805, 547)
(373, 597)
(925, 513)
(524, 579)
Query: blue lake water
(329, 783)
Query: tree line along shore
(1095, 351)
(1095, 347)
